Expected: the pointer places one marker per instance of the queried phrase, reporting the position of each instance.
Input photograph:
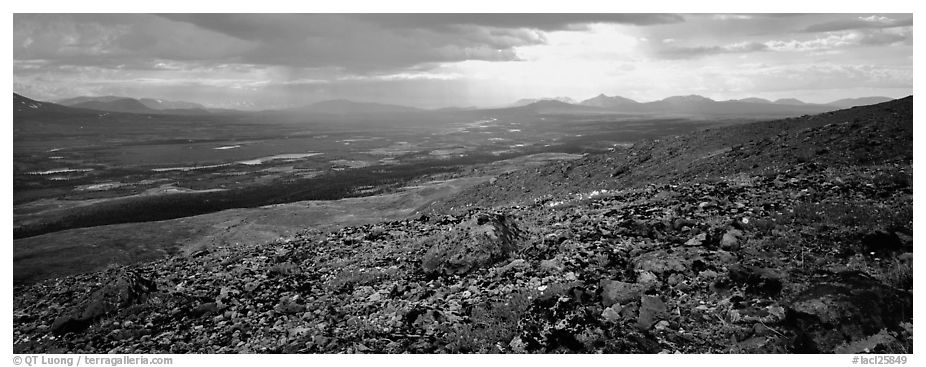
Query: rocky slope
(862, 136)
(786, 236)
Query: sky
(266, 61)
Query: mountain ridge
(608, 102)
(672, 104)
(151, 103)
(125, 105)
(25, 106)
(528, 101)
(700, 105)
(861, 101)
(753, 100)
(134, 105)
(711, 142)
(791, 101)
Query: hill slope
(132, 105)
(127, 105)
(84, 99)
(867, 134)
(162, 104)
(783, 236)
(548, 107)
(789, 101)
(27, 107)
(692, 105)
(852, 102)
(527, 101)
(604, 101)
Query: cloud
(668, 49)
(370, 42)
(317, 41)
(269, 60)
(869, 22)
(732, 16)
(842, 39)
(544, 22)
(111, 40)
(828, 76)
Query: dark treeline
(332, 186)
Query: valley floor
(82, 250)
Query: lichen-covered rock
(662, 262)
(761, 281)
(482, 240)
(730, 239)
(652, 308)
(844, 308)
(617, 292)
(125, 288)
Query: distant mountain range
(688, 105)
(550, 107)
(152, 103)
(602, 104)
(527, 101)
(24, 106)
(699, 105)
(604, 101)
(132, 105)
(85, 99)
(128, 105)
(789, 101)
(752, 100)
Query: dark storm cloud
(544, 22)
(363, 43)
(261, 26)
(369, 42)
(267, 39)
(860, 22)
(106, 40)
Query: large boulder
(759, 281)
(665, 262)
(124, 288)
(480, 241)
(839, 309)
(652, 308)
(885, 243)
(617, 292)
